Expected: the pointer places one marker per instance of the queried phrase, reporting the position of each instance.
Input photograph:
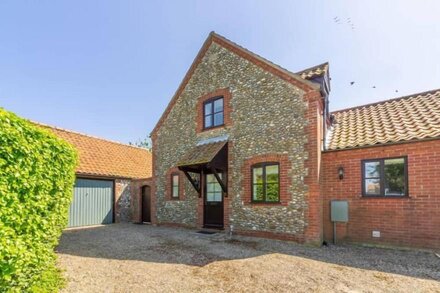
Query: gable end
(282, 73)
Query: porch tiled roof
(407, 118)
(201, 154)
(104, 158)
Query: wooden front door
(213, 203)
(146, 204)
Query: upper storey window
(213, 113)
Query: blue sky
(109, 68)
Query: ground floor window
(385, 177)
(265, 182)
(175, 185)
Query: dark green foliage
(36, 185)
(265, 183)
(142, 143)
(272, 192)
(395, 176)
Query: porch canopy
(211, 157)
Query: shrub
(36, 187)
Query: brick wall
(409, 221)
(136, 198)
(313, 233)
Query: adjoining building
(113, 180)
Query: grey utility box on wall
(339, 211)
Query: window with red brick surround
(265, 182)
(175, 184)
(388, 177)
(169, 184)
(200, 116)
(284, 180)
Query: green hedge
(36, 186)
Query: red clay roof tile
(407, 118)
(100, 157)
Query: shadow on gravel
(184, 246)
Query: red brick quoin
(182, 179)
(226, 94)
(285, 180)
(313, 132)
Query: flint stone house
(112, 180)
(248, 146)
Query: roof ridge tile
(88, 135)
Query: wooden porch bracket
(193, 183)
(220, 181)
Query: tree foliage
(36, 186)
(142, 143)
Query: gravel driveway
(143, 258)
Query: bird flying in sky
(337, 20)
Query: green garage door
(92, 203)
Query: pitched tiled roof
(315, 71)
(202, 154)
(407, 118)
(100, 157)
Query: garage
(92, 203)
(110, 178)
